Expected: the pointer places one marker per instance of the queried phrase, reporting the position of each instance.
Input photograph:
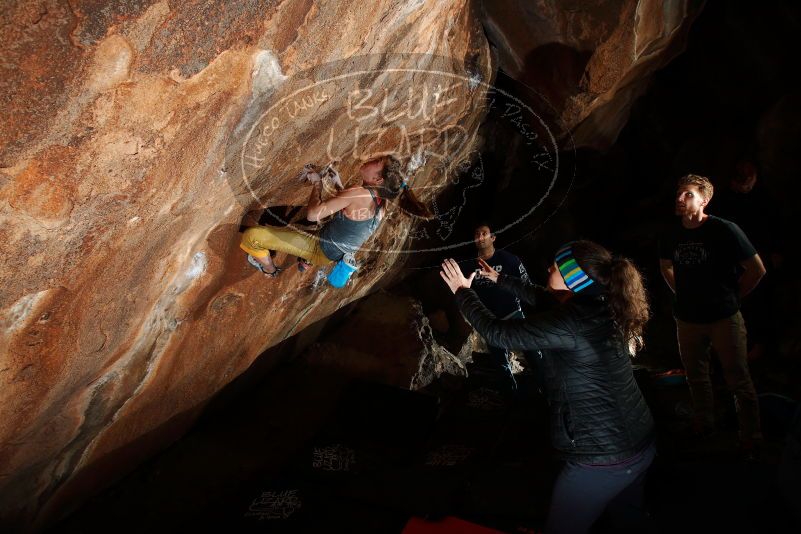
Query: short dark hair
(481, 222)
(744, 169)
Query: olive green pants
(728, 338)
(258, 241)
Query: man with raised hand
(502, 304)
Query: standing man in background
(710, 265)
(502, 304)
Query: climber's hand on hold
(335, 179)
(330, 175)
(309, 174)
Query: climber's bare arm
(317, 209)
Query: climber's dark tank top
(341, 235)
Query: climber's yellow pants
(258, 241)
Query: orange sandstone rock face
(589, 60)
(136, 136)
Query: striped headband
(575, 278)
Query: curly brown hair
(703, 184)
(626, 293)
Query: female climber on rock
(356, 212)
(600, 424)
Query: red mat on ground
(447, 525)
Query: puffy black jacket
(598, 414)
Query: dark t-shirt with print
(498, 301)
(706, 265)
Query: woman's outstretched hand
(453, 276)
(487, 271)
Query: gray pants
(582, 493)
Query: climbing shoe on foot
(260, 267)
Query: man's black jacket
(598, 415)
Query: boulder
(388, 339)
(587, 62)
(136, 136)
